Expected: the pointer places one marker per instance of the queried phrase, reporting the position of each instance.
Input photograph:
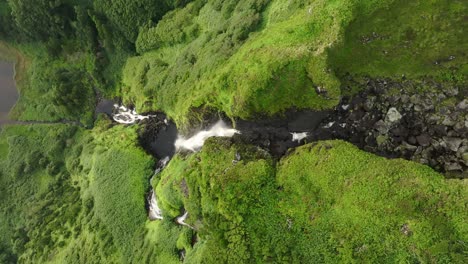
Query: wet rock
(453, 143)
(393, 115)
(423, 140)
(400, 131)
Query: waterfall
(220, 129)
(299, 136)
(181, 220)
(124, 115)
(155, 212)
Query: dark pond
(8, 93)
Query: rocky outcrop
(397, 119)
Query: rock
(405, 230)
(412, 140)
(440, 130)
(381, 139)
(393, 115)
(381, 126)
(408, 146)
(451, 91)
(465, 158)
(414, 99)
(423, 140)
(405, 99)
(463, 105)
(452, 166)
(444, 111)
(400, 131)
(448, 122)
(453, 143)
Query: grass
(363, 203)
(424, 40)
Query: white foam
(329, 125)
(220, 129)
(127, 116)
(299, 136)
(161, 165)
(155, 212)
(181, 220)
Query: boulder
(393, 115)
(463, 105)
(453, 143)
(424, 140)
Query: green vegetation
(326, 202)
(425, 40)
(247, 58)
(75, 195)
(250, 58)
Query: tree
(42, 19)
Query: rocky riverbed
(397, 119)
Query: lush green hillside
(255, 57)
(79, 197)
(325, 202)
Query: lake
(8, 93)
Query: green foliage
(54, 90)
(128, 16)
(328, 202)
(118, 181)
(42, 19)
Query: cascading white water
(161, 165)
(181, 220)
(124, 115)
(220, 129)
(155, 212)
(299, 136)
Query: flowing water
(8, 93)
(194, 143)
